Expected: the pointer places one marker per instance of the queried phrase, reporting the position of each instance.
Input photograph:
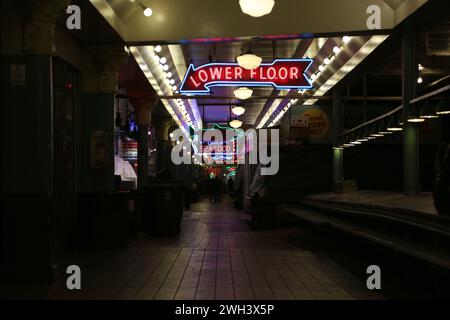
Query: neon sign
(211, 148)
(280, 74)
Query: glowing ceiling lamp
(443, 107)
(346, 39)
(394, 124)
(238, 111)
(249, 61)
(236, 124)
(256, 8)
(428, 111)
(414, 116)
(148, 12)
(243, 93)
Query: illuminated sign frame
(234, 83)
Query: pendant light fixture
(362, 135)
(383, 127)
(394, 124)
(236, 124)
(428, 111)
(249, 61)
(414, 116)
(257, 8)
(238, 110)
(354, 140)
(443, 107)
(147, 11)
(243, 93)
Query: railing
(379, 125)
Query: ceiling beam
(281, 97)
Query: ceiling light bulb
(249, 61)
(163, 60)
(165, 67)
(243, 93)
(169, 74)
(158, 48)
(236, 124)
(336, 49)
(313, 76)
(327, 61)
(419, 80)
(321, 68)
(171, 81)
(174, 88)
(148, 12)
(256, 8)
(238, 111)
(414, 120)
(346, 39)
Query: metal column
(411, 181)
(338, 153)
(142, 156)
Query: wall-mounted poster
(18, 74)
(316, 119)
(97, 152)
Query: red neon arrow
(281, 74)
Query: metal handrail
(390, 113)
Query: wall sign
(97, 150)
(313, 118)
(18, 74)
(280, 74)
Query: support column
(162, 126)
(411, 181)
(27, 165)
(100, 69)
(143, 157)
(338, 153)
(143, 106)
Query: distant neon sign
(280, 74)
(216, 148)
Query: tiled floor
(216, 256)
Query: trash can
(104, 219)
(163, 207)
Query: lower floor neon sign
(280, 74)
